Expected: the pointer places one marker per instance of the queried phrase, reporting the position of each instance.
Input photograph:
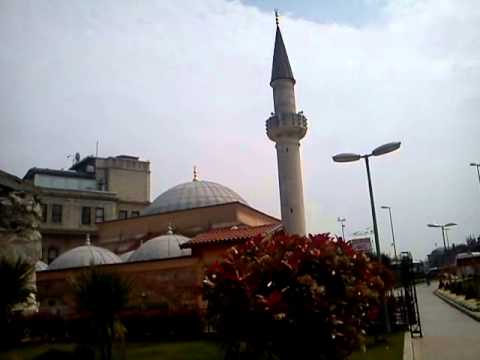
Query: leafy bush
(291, 297)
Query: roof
(63, 173)
(191, 195)
(231, 234)
(281, 65)
(161, 247)
(12, 182)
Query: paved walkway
(448, 334)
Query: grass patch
(392, 349)
(188, 350)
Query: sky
(184, 83)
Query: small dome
(161, 247)
(40, 266)
(85, 255)
(192, 195)
(124, 257)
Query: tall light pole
(391, 226)
(443, 227)
(342, 223)
(349, 157)
(477, 165)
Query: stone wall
(169, 284)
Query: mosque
(166, 249)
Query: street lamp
(342, 223)
(349, 157)
(443, 227)
(477, 165)
(391, 226)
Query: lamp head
(346, 157)
(385, 207)
(386, 148)
(434, 225)
(450, 224)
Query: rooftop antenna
(195, 173)
(277, 16)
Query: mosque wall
(170, 284)
(118, 235)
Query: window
(122, 214)
(57, 213)
(52, 253)
(44, 212)
(99, 215)
(135, 213)
(86, 216)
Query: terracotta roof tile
(230, 234)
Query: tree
(291, 297)
(17, 289)
(101, 295)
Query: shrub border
(473, 314)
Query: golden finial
(195, 173)
(277, 17)
(170, 229)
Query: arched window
(52, 253)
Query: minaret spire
(281, 68)
(286, 128)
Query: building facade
(92, 191)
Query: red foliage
(289, 293)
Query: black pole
(343, 232)
(443, 236)
(388, 328)
(374, 215)
(393, 234)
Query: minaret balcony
(286, 125)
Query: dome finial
(170, 229)
(195, 173)
(87, 239)
(277, 16)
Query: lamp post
(443, 227)
(349, 157)
(342, 223)
(391, 226)
(477, 165)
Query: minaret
(286, 127)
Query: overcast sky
(185, 83)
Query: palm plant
(101, 295)
(17, 286)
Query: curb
(408, 353)
(472, 314)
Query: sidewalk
(448, 334)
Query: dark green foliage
(100, 296)
(17, 286)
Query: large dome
(84, 256)
(192, 195)
(161, 247)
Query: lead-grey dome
(40, 266)
(192, 195)
(161, 247)
(84, 256)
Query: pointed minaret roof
(281, 65)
